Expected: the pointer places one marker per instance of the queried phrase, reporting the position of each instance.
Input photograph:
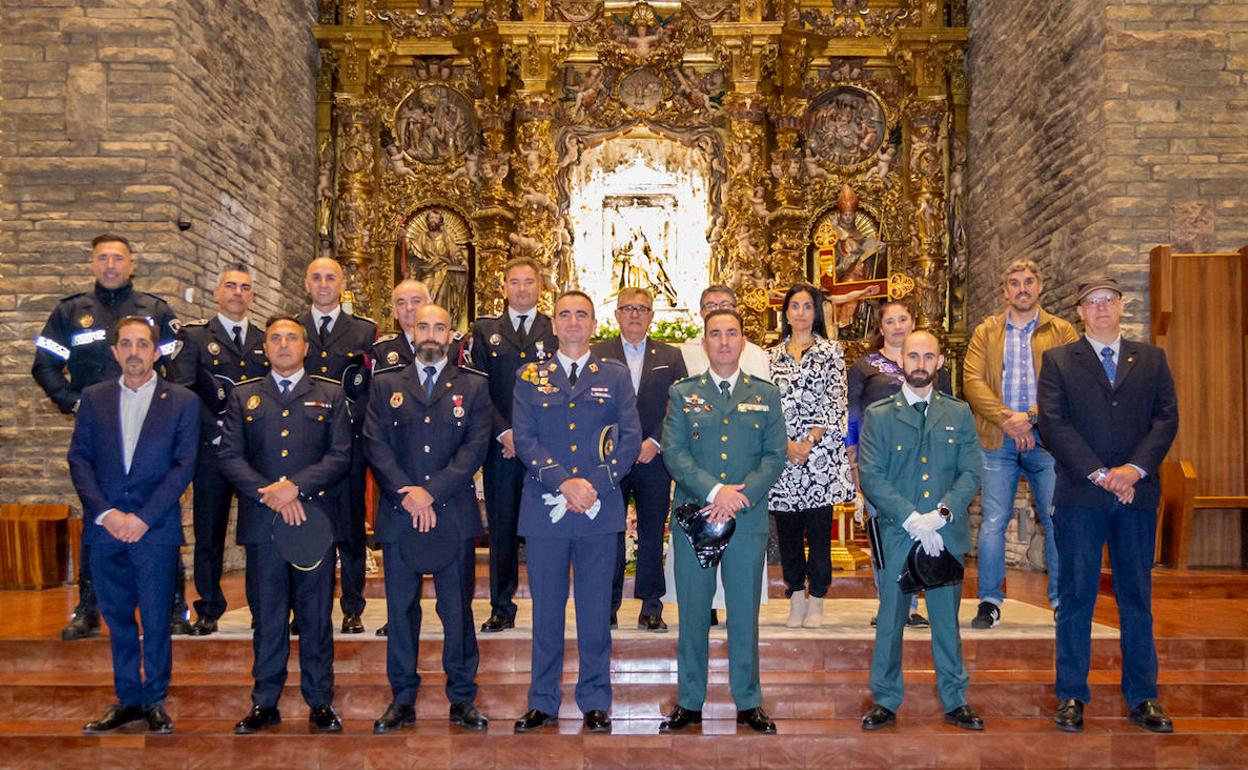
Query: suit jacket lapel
(112, 423)
(154, 419)
(222, 335)
(907, 413)
(300, 388)
(1128, 354)
(584, 377)
(649, 359)
(337, 329)
(1092, 362)
(509, 331)
(445, 379)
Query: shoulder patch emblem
(396, 400)
(86, 320)
(392, 357)
(253, 403)
(496, 339)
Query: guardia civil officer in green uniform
(919, 464)
(724, 444)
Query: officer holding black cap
(286, 446)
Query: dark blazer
(663, 367)
(436, 442)
(498, 351)
(558, 432)
(207, 361)
(162, 467)
(305, 437)
(343, 358)
(1087, 424)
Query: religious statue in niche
(851, 263)
(845, 126)
(433, 248)
(636, 260)
(434, 124)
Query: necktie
(572, 375)
(1107, 361)
(921, 408)
(430, 373)
(520, 319)
(726, 389)
(324, 330)
(238, 336)
(285, 387)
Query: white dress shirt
(528, 318)
(229, 323)
(566, 363)
(293, 378)
(333, 318)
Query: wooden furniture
(35, 541)
(1199, 316)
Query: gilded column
(356, 161)
(925, 121)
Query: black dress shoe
(1069, 716)
(383, 631)
(534, 719)
(964, 717)
(714, 617)
(757, 720)
(397, 715)
(351, 624)
(258, 719)
(917, 621)
(597, 721)
(1151, 717)
(323, 719)
(179, 626)
(81, 626)
(466, 715)
(497, 623)
(115, 717)
(651, 623)
(206, 626)
(878, 717)
(679, 719)
(615, 621)
(158, 720)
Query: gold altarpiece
(833, 135)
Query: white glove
(917, 524)
(931, 543)
(860, 509)
(559, 506)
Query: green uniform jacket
(707, 442)
(903, 471)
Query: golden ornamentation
(899, 286)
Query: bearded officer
(74, 342)
(338, 344)
(425, 435)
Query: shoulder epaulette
(68, 297)
(364, 318)
(196, 322)
(153, 296)
(248, 383)
(323, 378)
(473, 370)
(385, 338)
(613, 362)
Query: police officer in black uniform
(212, 357)
(338, 347)
(500, 346)
(395, 351)
(73, 339)
(426, 434)
(287, 440)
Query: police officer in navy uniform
(577, 433)
(338, 346)
(74, 340)
(520, 335)
(287, 440)
(426, 433)
(212, 357)
(395, 351)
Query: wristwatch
(945, 513)
(1033, 417)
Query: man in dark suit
(338, 346)
(577, 434)
(425, 435)
(131, 457)
(652, 367)
(395, 351)
(1108, 414)
(520, 335)
(287, 440)
(213, 355)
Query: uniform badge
(253, 403)
(392, 357)
(458, 411)
(86, 321)
(214, 348)
(396, 400)
(359, 378)
(593, 368)
(220, 394)
(496, 339)
(541, 349)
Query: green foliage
(663, 331)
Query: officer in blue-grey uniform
(520, 335)
(577, 434)
(212, 356)
(338, 346)
(287, 440)
(73, 340)
(425, 436)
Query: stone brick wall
(132, 115)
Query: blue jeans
(1000, 483)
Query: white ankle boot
(814, 612)
(797, 609)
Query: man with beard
(425, 435)
(999, 375)
(919, 464)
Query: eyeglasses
(1101, 301)
(727, 304)
(634, 309)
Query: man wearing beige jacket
(999, 380)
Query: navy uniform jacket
(305, 438)
(343, 358)
(558, 429)
(662, 367)
(162, 467)
(498, 351)
(1087, 424)
(207, 361)
(437, 443)
(76, 338)
(392, 351)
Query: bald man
(338, 348)
(395, 351)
